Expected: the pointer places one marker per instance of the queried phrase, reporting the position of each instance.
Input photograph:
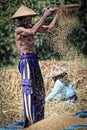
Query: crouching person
(62, 89)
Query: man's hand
(50, 10)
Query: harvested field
(11, 97)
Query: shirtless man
(32, 83)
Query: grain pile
(58, 122)
(11, 96)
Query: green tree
(8, 53)
(7, 8)
(78, 37)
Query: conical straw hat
(55, 71)
(23, 11)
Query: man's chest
(27, 39)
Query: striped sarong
(32, 88)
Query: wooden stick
(69, 6)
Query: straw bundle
(10, 96)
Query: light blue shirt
(61, 91)
(58, 86)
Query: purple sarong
(32, 87)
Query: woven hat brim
(16, 17)
(24, 11)
(54, 73)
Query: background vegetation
(49, 46)
(8, 55)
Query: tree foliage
(79, 34)
(8, 53)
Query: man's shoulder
(20, 28)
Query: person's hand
(50, 10)
(53, 9)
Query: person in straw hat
(31, 78)
(62, 89)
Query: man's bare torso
(24, 37)
(25, 43)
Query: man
(32, 82)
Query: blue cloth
(26, 86)
(75, 127)
(82, 114)
(60, 91)
(14, 124)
